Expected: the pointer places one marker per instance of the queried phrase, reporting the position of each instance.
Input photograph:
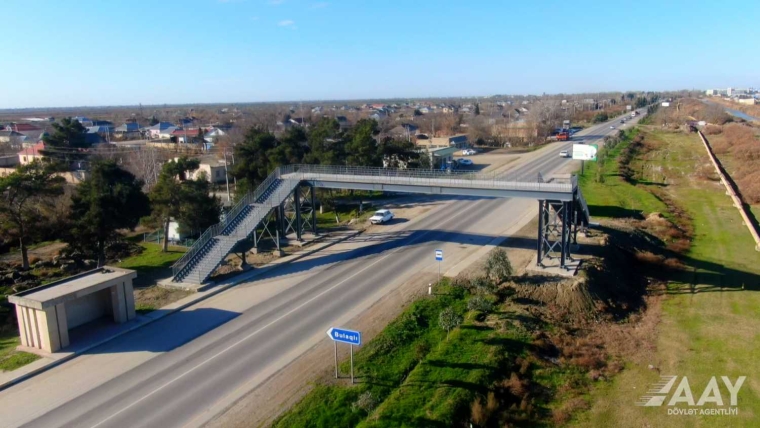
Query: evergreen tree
(108, 200)
(24, 194)
(362, 148)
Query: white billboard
(585, 151)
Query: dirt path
(42, 253)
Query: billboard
(585, 151)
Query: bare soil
(155, 297)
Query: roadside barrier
(732, 191)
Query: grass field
(615, 197)
(710, 324)
(152, 264)
(10, 359)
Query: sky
(125, 52)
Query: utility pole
(226, 176)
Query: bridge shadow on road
(385, 242)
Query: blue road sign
(346, 336)
(439, 255)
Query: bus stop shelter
(46, 314)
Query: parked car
(464, 162)
(468, 152)
(381, 216)
(564, 154)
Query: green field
(10, 359)
(615, 197)
(152, 264)
(710, 324)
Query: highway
(183, 369)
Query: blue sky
(95, 52)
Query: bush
(366, 402)
(480, 304)
(498, 267)
(483, 285)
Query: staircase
(219, 240)
(584, 216)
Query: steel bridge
(285, 203)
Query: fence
(731, 191)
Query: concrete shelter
(46, 314)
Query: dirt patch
(45, 252)
(152, 298)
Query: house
(343, 122)
(33, 133)
(404, 131)
(127, 130)
(458, 141)
(213, 134)
(160, 130)
(317, 110)
(12, 137)
(186, 135)
(30, 154)
(378, 115)
(213, 168)
(84, 121)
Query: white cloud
(286, 23)
(319, 5)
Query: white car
(381, 216)
(464, 162)
(468, 152)
(612, 127)
(564, 154)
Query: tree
(291, 148)
(362, 148)
(477, 109)
(25, 192)
(326, 143)
(108, 200)
(449, 320)
(252, 162)
(601, 117)
(399, 153)
(154, 120)
(68, 134)
(498, 266)
(186, 201)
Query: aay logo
(658, 394)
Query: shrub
(483, 285)
(480, 304)
(448, 319)
(366, 402)
(498, 267)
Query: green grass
(326, 220)
(410, 354)
(710, 324)
(10, 359)
(615, 198)
(152, 263)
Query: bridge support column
(313, 210)
(564, 240)
(297, 204)
(540, 240)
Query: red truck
(563, 136)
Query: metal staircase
(239, 223)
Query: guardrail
(216, 229)
(419, 177)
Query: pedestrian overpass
(285, 203)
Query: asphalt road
(188, 378)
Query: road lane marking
(160, 388)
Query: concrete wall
(88, 308)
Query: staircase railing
(217, 229)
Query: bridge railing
(417, 177)
(216, 229)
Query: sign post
(439, 259)
(345, 336)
